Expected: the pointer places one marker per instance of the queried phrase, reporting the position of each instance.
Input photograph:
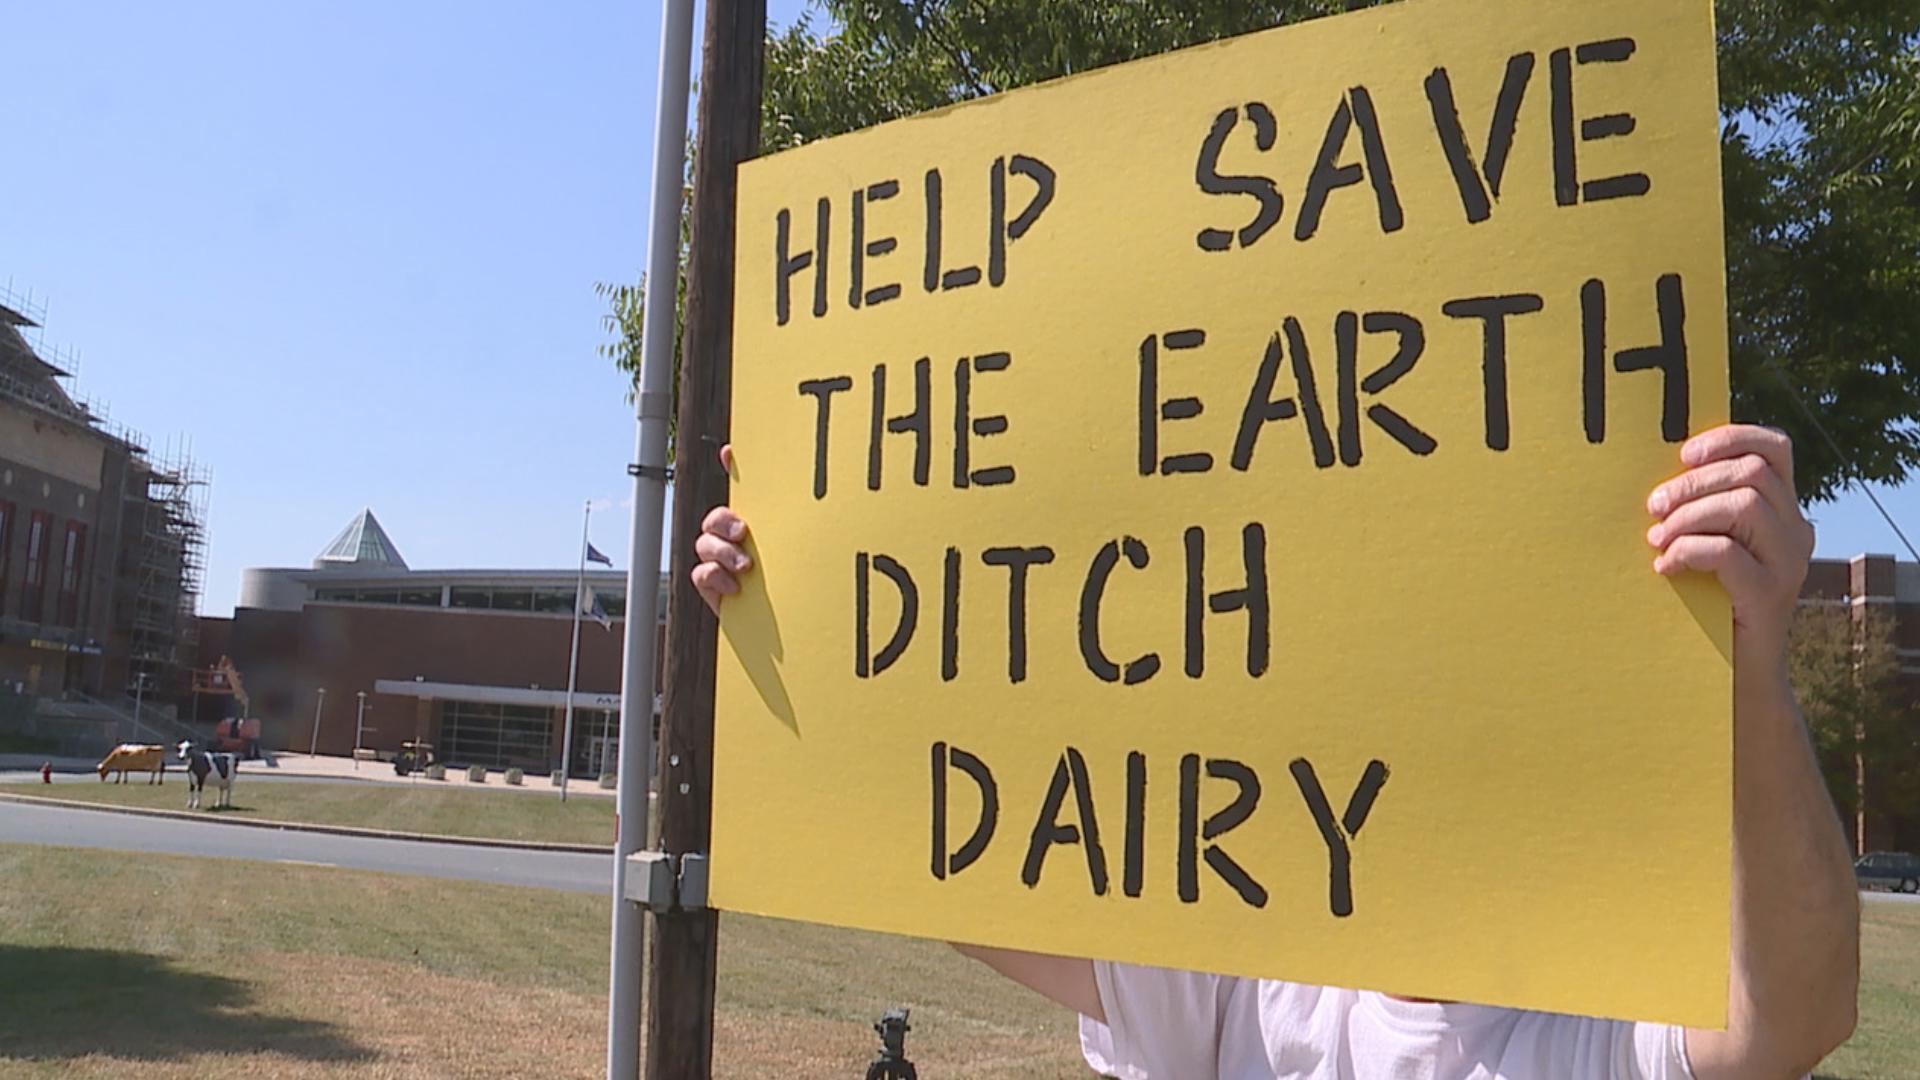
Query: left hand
(1733, 513)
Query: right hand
(722, 558)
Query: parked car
(1895, 870)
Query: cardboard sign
(1199, 513)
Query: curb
(303, 826)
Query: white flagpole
(573, 659)
(653, 415)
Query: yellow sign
(1199, 513)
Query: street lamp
(313, 747)
(359, 725)
(139, 691)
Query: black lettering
(918, 423)
(863, 249)
(1566, 177)
(1611, 125)
(1263, 408)
(944, 864)
(1669, 358)
(930, 276)
(1339, 834)
(902, 633)
(788, 263)
(966, 426)
(1413, 342)
(1134, 862)
(823, 390)
(1047, 830)
(1092, 594)
(1478, 190)
(1004, 231)
(1153, 410)
(950, 617)
(1017, 560)
(1355, 109)
(1193, 830)
(1250, 598)
(1493, 312)
(1568, 189)
(1206, 173)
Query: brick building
(100, 540)
(1889, 589)
(473, 662)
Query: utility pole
(680, 975)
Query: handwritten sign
(1199, 515)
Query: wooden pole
(680, 972)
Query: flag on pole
(594, 554)
(591, 607)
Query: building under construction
(102, 537)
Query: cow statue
(202, 764)
(136, 757)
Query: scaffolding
(163, 500)
(164, 539)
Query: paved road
(21, 823)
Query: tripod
(892, 1064)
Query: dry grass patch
(140, 967)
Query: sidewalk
(381, 772)
(327, 768)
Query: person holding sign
(1732, 512)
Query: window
(6, 549)
(72, 557)
(36, 565)
(470, 598)
(497, 736)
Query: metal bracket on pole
(663, 474)
(662, 882)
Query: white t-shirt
(1180, 1025)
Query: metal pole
(359, 722)
(139, 691)
(682, 943)
(313, 746)
(653, 416)
(573, 658)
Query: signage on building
(1199, 512)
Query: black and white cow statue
(202, 765)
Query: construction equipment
(235, 734)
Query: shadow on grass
(70, 1002)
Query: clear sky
(348, 251)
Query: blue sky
(348, 250)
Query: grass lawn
(151, 966)
(419, 808)
(1886, 1044)
(142, 967)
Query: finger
(1733, 440)
(1721, 556)
(712, 549)
(1747, 470)
(712, 581)
(1741, 515)
(722, 522)
(726, 458)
